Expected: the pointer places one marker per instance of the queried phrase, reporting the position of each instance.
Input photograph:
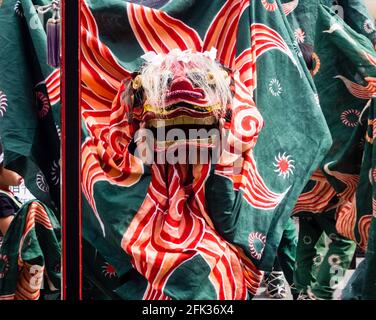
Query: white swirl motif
(269, 5)
(41, 182)
(275, 87)
(55, 172)
(299, 35)
(3, 103)
(18, 9)
(368, 26)
(256, 242)
(350, 117)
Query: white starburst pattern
(369, 26)
(18, 9)
(275, 87)
(284, 165)
(256, 242)
(350, 118)
(108, 270)
(3, 103)
(270, 5)
(299, 35)
(41, 182)
(55, 172)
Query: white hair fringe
(155, 77)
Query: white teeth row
(180, 120)
(198, 142)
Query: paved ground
(261, 294)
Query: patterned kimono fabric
(30, 255)
(284, 265)
(227, 220)
(29, 100)
(29, 127)
(338, 199)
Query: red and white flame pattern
(53, 86)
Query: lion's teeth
(181, 120)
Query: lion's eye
(137, 82)
(210, 78)
(166, 77)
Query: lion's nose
(181, 83)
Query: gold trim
(180, 120)
(169, 143)
(150, 108)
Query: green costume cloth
(286, 253)
(285, 259)
(29, 100)
(362, 283)
(29, 126)
(322, 280)
(343, 70)
(30, 255)
(321, 248)
(253, 216)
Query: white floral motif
(252, 239)
(41, 182)
(284, 165)
(369, 26)
(275, 87)
(3, 103)
(299, 35)
(18, 9)
(346, 117)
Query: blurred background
(371, 4)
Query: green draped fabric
(291, 145)
(29, 129)
(30, 108)
(30, 255)
(343, 37)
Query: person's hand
(10, 178)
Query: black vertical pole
(71, 154)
